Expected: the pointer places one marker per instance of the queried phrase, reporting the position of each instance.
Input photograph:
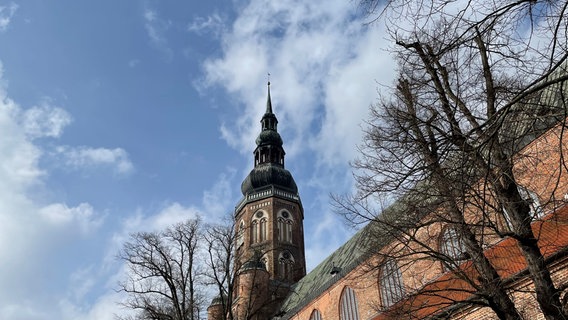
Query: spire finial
(268, 101)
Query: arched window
(286, 265)
(254, 231)
(452, 246)
(262, 232)
(390, 283)
(285, 224)
(316, 315)
(348, 305)
(259, 227)
(241, 234)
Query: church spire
(269, 120)
(268, 156)
(268, 101)
(271, 212)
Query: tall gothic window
(348, 305)
(254, 231)
(259, 227)
(262, 232)
(285, 224)
(390, 283)
(286, 265)
(316, 315)
(452, 246)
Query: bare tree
(163, 274)
(243, 289)
(220, 242)
(171, 273)
(477, 80)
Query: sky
(126, 116)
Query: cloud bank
(326, 66)
(38, 235)
(6, 14)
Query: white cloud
(33, 234)
(149, 15)
(152, 27)
(6, 14)
(211, 24)
(324, 64)
(87, 157)
(45, 121)
(216, 203)
(81, 282)
(350, 89)
(24, 310)
(20, 157)
(60, 215)
(156, 29)
(219, 201)
(170, 215)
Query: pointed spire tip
(268, 101)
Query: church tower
(269, 226)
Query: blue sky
(123, 116)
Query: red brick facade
(540, 166)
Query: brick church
(270, 268)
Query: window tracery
(286, 262)
(451, 245)
(390, 283)
(316, 315)
(285, 226)
(259, 227)
(348, 305)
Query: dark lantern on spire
(269, 157)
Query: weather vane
(269, 78)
